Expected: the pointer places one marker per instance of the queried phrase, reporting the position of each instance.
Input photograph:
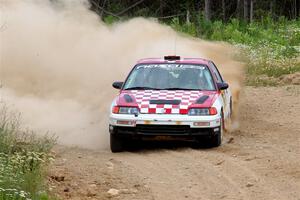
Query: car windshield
(170, 76)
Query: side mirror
(117, 85)
(222, 86)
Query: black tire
(116, 143)
(200, 142)
(216, 139)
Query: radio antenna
(175, 44)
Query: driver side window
(216, 72)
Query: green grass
(23, 160)
(268, 47)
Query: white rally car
(184, 98)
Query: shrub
(23, 158)
(270, 48)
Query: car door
(224, 93)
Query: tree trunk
(251, 10)
(246, 10)
(238, 9)
(223, 11)
(103, 6)
(161, 8)
(295, 9)
(271, 8)
(207, 10)
(188, 21)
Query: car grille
(169, 130)
(162, 129)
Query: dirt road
(258, 161)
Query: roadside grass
(23, 160)
(269, 48)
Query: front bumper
(163, 124)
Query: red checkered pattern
(144, 96)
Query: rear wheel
(116, 143)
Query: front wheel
(116, 143)
(216, 139)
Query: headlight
(202, 111)
(128, 110)
(125, 110)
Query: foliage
(219, 10)
(270, 42)
(270, 48)
(23, 158)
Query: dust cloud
(58, 61)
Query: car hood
(166, 101)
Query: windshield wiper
(141, 88)
(178, 88)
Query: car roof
(180, 61)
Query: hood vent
(202, 99)
(128, 98)
(162, 101)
